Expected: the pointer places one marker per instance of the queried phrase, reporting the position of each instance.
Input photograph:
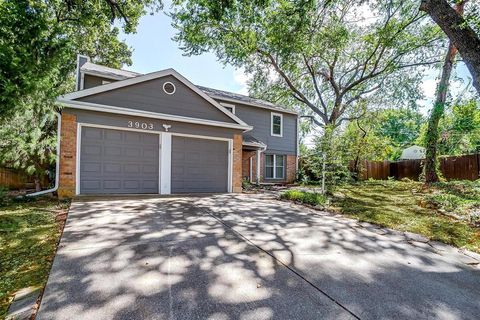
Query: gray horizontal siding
(259, 118)
(90, 81)
(121, 121)
(149, 96)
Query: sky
(154, 49)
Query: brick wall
(246, 156)
(237, 163)
(291, 168)
(68, 155)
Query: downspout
(57, 164)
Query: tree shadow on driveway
(244, 257)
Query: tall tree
(438, 110)
(39, 41)
(460, 32)
(320, 53)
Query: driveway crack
(240, 235)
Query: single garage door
(199, 165)
(117, 161)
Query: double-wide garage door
(127, 162)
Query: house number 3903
(140, 125)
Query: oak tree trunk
(438, 110)
(463, 37)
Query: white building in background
(413, 153)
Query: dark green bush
(311, 198)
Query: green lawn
(408, 206)
(28, 237)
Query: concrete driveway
(248, 257)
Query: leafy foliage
(306, 197)
(318, 54)
(39, 41)
(459, 129)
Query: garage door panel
(132, 168)
(93, 133)
(199, 165)
(118, 161)
(113, 135)
(150, 152)
(93, 150)
(91, 184)
(112, 151)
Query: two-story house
(127, 133)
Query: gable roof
(107, 72)
(240, 98)
(119, 74)
(146, 77)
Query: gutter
(57, 164)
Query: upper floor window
(229, 107)
(277, 124)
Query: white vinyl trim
(274, 114)
(166, 160)
(169, 93)
(77, 159)
(148, 114)
(230, 166)
(147, 77)
(230, 153)
(228, 105)
(80, 125)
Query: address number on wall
(140, 125)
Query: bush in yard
(311, 198)
(4, 197)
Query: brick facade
(237, 163)
(291, 168)
(246, 156)
(68, 156)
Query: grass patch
(408, 206)
(306, 197)
(29, 234)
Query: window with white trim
(229, 107)
(274, 166)
(277, 124)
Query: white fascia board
(148, 114)
(147, 77)
(254, 104)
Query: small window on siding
(277, 124)
(274, 166)
(229, 107)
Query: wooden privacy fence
(13, 179)
(465, 167)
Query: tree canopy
(40, 39)
(320, 54)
